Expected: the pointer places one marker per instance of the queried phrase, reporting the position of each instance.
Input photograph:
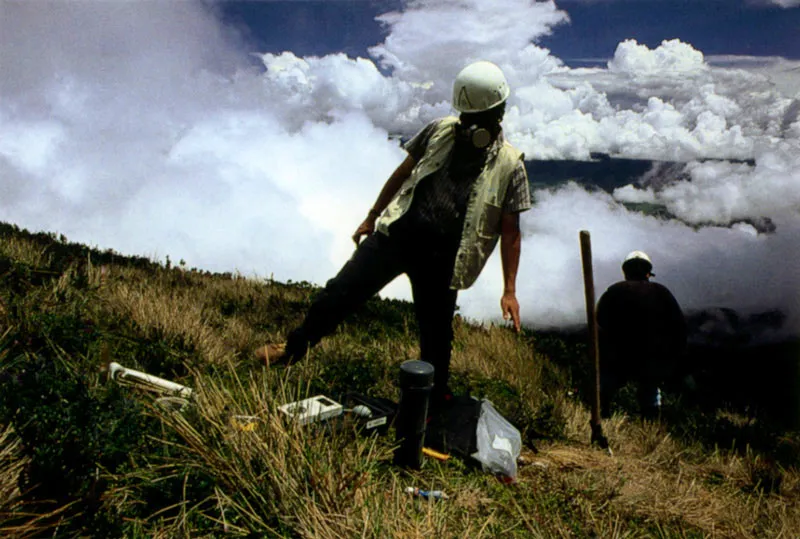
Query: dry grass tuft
(18, 518)
(214, 477)
(25, 252)
(311, 481)
(652, 476)
(12, 463)
(496, 352)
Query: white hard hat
(638, 255)
(637, 258)
(478, 87)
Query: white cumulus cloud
(145, 127)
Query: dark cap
(416, 373)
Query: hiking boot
(271, 354)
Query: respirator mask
(480, 129)
(479, 137)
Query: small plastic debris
(428, 452)
(245, 423)
(427, 494)
(362, 411)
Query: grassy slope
(80, 456)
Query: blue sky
(716, 27)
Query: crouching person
(642, 334)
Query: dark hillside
(81, 456)
(607, 173)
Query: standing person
(437, 219)
(642, 335)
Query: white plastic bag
(499, 442)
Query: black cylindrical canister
(416, 383)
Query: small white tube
(123, 375)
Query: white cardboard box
(317, 408)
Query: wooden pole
(594, 353)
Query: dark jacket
(641, 325)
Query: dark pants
(376, 262)
(649, 376)
(647, 391)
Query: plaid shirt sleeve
(518, 196)
(419, 143)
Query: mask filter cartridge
(480, 137)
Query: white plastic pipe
(123, 375)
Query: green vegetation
(83, 457)
(649, 208)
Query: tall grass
(80, 456)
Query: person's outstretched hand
(366, 228)
(510, 307)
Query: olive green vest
(484, 208)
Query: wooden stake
(594, 353)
